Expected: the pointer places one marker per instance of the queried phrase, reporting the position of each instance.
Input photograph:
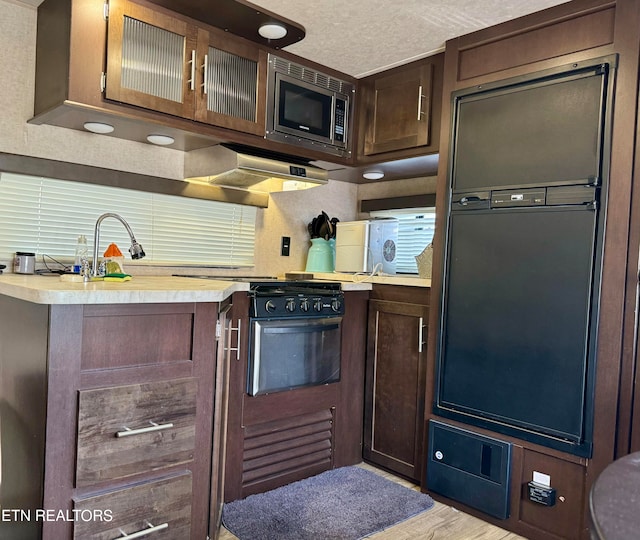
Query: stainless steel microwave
(308, 108)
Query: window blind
(416, 227)
(46, 216)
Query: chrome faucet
(136, 249)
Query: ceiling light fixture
(160, 140)
(272, 31)
(98, 127)
(373, 175)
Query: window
(416, 227)
(46, 216)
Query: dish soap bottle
(82, 253)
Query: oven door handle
(301, 329)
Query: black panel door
(514, 347)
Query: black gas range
(278, 298)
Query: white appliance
(367, 246)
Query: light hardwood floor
(441, 522)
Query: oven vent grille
(295, 447)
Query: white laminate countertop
(48, 289)
(407, 280)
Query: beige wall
(288, 212)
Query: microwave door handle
(332, 127)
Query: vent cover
(288, 446)
(311, 76)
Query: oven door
(293, 353)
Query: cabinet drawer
(127, 430)
(162, 509)
(162, 333)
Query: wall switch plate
(286, 244)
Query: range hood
(242, 168)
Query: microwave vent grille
(312, 76)
(323, 80)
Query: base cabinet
(395, 379)
(470, 468)
(568, 479)
(119, 420)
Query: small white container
(24, 262)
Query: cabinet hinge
(103, 81)
(218, 330)
(105, 10)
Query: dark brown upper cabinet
(400, 110)
(161, 62)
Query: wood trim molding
(390, 203)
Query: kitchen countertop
(407, 280)
(49, 289)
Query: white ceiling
(360, 37)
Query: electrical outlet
(286, 244)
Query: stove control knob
(290, 305)
(270, 306)
(336, 304)
(304, 304)
(317, 304)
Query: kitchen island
(108, 404)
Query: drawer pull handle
(144, 532)
(153, 427)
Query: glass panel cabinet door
(165, 64)
(151, 59)
(233, 89)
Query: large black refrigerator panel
(543, 132)
(516, 327)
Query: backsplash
(287, 215)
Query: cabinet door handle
(127, 432)
(192, 80)
(205, 74)
(236, 349)
(420, 334)
(143, 532)
(420, 98)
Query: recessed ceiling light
(373, 175)
(161, 140)
(272, 31)
(98, 127)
